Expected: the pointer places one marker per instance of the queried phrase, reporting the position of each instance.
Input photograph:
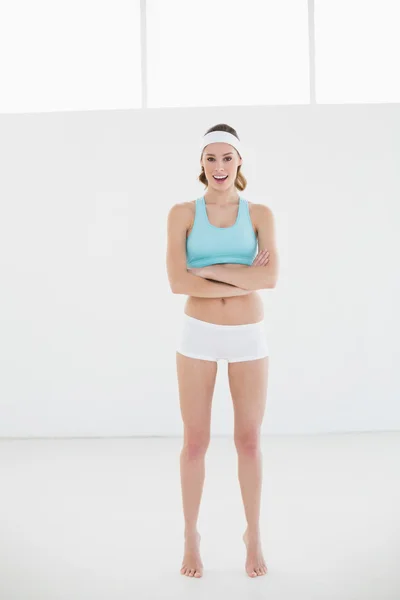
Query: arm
(253, 277)
(182, 282)
(192, 285)
(248, 277)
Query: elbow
(175, 285)
(180, 286)
(272, 279)
(176, 288)
(172, 287)
(270, 284)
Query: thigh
(248, 382)
(196, 383)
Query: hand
(261, 260)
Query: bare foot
(191, 564)
(255, 563)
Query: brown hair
(240, 180)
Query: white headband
(221, 136)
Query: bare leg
(196, 379)
(192, 465)
(250, 478)
(192, 481)
(248, 383)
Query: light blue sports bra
(210, 245)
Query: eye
(227, 157)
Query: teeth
(215, 177)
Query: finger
(260, 255)
(266, 255)
(263, 256)
(259, 258)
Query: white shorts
(211, 341)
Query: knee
(196, 445)
(248, 442)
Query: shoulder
(261, 209)
(184, 211)
(183, 207)
(260, 213)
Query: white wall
(88, 323)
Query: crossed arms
(251, 277)
(245, 277)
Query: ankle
(253, 532)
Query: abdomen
(233, 310)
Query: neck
(221, 199)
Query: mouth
(220, 179)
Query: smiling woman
(212, 258)
(222, 231)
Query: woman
(216, 237)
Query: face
(220, 159)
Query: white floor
(84, 519)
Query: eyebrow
(226, 153)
